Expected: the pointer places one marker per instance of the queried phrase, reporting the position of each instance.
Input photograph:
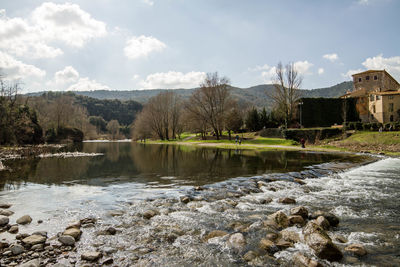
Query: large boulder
(278, 219)
(320, 242)
(301, 211)
(332, 218)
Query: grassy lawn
(374, 138)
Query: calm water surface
(57, 189)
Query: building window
(390, 97)
(359, 79)
(373, 109)
(371, 98)
(378, 97)
(391, 108)
(375, 77)
(391, 119)
(367, 78)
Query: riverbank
(387, 143)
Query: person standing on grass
(303, 143)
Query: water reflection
(163, 164)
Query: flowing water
(118, 182)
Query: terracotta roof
(368, 71)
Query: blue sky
(144, 44)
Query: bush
(271, 132)
(64, 134)
(311, 135)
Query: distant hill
(255, 96)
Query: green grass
(374, 138)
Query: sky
(169, 44)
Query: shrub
(311, 135)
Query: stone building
(378, 96)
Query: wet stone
(332, 218)
(215, 233)
(237, 241)
(290, 236)
(149, 214)
(13, 229)
(356, 249)
(296, 220)
(6, 212)
(34, 239)
(26, 219)
(301, 260)
(287, 200)
(31, 263)
(265, 200)
(4, 220)
(280, 219)
(42, 233)
(37, 247)
(17, 249)
(74, 232)
(66, 240)
(5, 205)
(267, 245)
(250, 255)
(21, 236)
(324, 223)
(340, 239)
(301, 211)
(76, 224)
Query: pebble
(13, 229)
(6, 212)
(287, 200)
(17, 249)
(74, 232)
(5, 205)
(356, 249)
(237, 241)
(91, 255)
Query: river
(117, 182)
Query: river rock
(111, 230)
(301, 211)
(42, 233)
(34, 239)
(320, 242)
(301, 260)
(74, 232)
(323, 222)
(21, 236)
(356, 249)
(185, 199)
(6, 212)
(5, 205)
(67, 240)
(13, 229)
(250, 255)
(89, 220)
(4, 220)
(4, 244)
(31, 263)
(299, 181)
(290, 236)
(340, 238)
(17, 249)
(265, 200)
(283, 244)
(332, 218)
(287, 200)
(108, 261)
(237, 241)
(267, 245)
(37, 247)
(272, 236)
(279, 219)
(24, 219)
(296, 220)
(76, 224)
(91, 255)
(148, 214)
(215, 233)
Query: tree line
(212, 109)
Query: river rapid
(164, 212)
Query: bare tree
(209, 103)
(113, 128)
(287, 83)
(233, 120)
(163, 115)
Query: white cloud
(269, 75)
(303, 67)
(34, 36)
(135, 77)
(173, 80)
(141, 46)
(148, 2)
(331, 57)
(85, 84)
(390, 64)
(363, 2)
(321, 71)
(67, 75)
(14, 69)
(351, 72)
(260, 68)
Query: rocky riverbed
(245, 221)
